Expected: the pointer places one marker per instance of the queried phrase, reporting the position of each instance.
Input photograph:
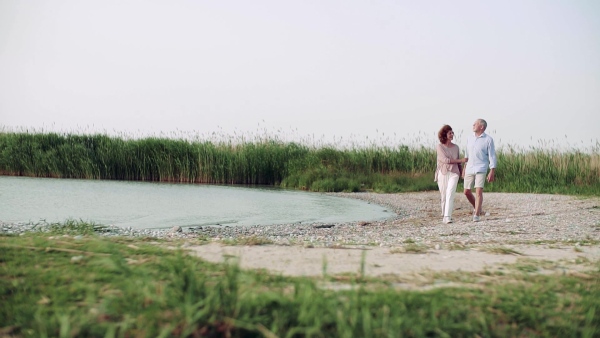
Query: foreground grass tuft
(89, 286)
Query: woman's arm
(441, 155)
(443, 158)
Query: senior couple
(480, 155)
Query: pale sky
(332, 69)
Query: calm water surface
(163, 205)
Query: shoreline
(544, 234)
(511, 219)
(561, 233)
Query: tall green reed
(548, 170)
(269, 161)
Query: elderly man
(481, 155)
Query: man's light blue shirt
(481, 154)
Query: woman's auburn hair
(443, 133)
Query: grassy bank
(52, 285)
(272, 162)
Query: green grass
(410, 247)
(247, 240)
(74, 286)
(503, 251)
(269, 161)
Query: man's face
(476, 126)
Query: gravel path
(569, 227)
(511, 219)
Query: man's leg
(479, 184)
(470, 197)
(469, 182)
(478, 201)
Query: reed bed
(271, 161)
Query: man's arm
(492, 175)
(492, 157)
(464, 168)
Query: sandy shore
(300, 261)
(558, 232)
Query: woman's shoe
(447, 220)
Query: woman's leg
(442, 186)
(452, 179)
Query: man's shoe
(476, 218)
(447, 220)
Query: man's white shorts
(474, 180)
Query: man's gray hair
(483, 123)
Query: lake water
(144, 205)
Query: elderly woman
(449, 168)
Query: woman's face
(450, 135)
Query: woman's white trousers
(447, 184)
